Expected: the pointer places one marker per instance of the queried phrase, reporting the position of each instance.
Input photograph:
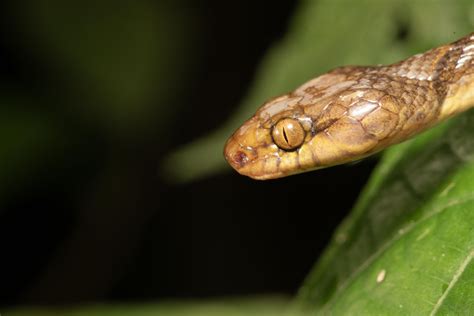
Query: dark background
(94, 220)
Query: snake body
(352, 112)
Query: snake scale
(352, 112)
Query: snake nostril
(240, 158)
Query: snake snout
(235, 155)
(238, 159)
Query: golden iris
(288, 134)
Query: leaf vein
(456, 277)
(387, 245)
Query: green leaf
(408, 245)
(323, 35)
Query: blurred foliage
(27, 139)
(272, 306)
(323, 35)
(116, 62)
(107, 69)
(83, 84)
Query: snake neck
(456, 77)
(449, 70)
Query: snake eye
(288, 134)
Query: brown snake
(352, 112)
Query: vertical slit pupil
(285, 136)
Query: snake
(352, 112)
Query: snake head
(266, 145)
(354, 111)
(330, 120)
